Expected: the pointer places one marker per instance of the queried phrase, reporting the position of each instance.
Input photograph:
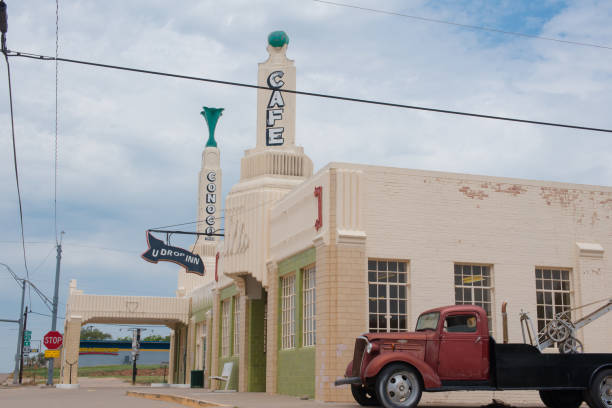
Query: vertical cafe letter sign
(318, 193)
(276, 105)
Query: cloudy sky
(130, 144)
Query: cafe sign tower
(268, 171)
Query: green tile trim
(296, 372)
(256, 381)
(228, 291)
(200, 315)
(297, 261)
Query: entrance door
(463, 349)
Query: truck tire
(399, 386)
(363, 396)
(561, 398)
(599, 393)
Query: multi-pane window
(225, 327)
(473, 286)
(288, 311)
(308, 302)
(552, 293)
(387, 295)
(237, 316)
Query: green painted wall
(233, 384)
(296, 367)
(257, 353)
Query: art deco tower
(268, 171)
(209, 207)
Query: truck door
(463, 349)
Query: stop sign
(53, 340)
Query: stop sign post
(53, 340)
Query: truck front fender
(429, 376)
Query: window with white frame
(237, 316)
(388, 295)
(288, 311)
(226, 307)
(553, 293)
(308, 302)
(473, 286)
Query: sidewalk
(202, 398)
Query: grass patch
(146, 373)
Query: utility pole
(55, 300)
(135, 351)
(20, 335)
(25, 325)
(22, 282)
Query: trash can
(197, 378)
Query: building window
(552, 294)
(237, 316)
(308, 301)
(225, 327)
(473, 287)
(288, 311)
(388, 295)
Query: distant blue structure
(112, 352)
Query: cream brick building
(309, 262)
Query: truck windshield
(428, 321)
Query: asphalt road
(103, 397)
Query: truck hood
(419, 336)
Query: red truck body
(451, 349)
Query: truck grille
(360, 345)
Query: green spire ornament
(212, 116)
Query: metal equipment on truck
(451, 350)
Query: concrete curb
(67, 386)
(186, 401)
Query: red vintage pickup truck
(451, 350)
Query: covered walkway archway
(83, 309)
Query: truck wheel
(599, 393)
(561, 398)
(399, 386)
(363, 396)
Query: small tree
(91, 333)
(156, 337)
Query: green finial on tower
(278, 38)
(211, 115)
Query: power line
(25, 262)
(475, 27)
(319, 95)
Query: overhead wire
(25, 261)
(314, 94)
(470, 26)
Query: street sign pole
(19, 335)
(25, 324)
(54, 314)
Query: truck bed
(522, 366)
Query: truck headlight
(369, 348)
